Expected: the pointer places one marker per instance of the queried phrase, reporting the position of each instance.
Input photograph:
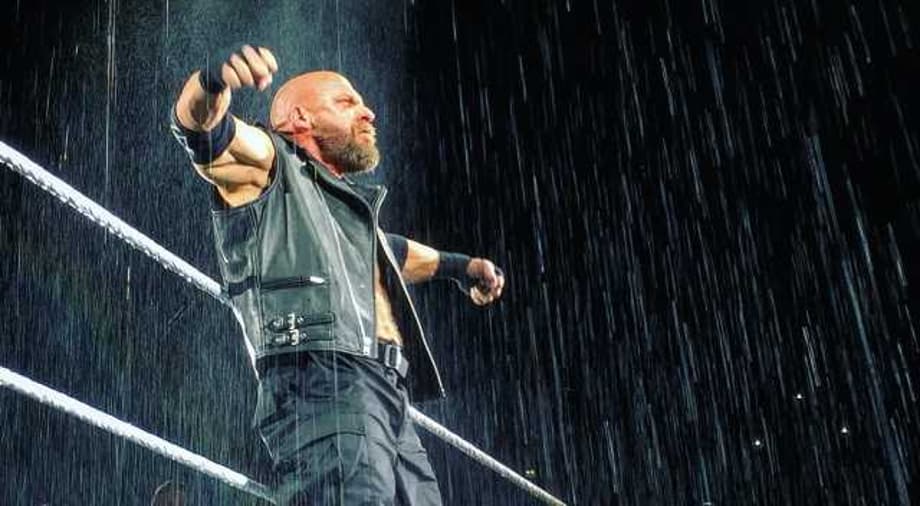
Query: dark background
(707, 212)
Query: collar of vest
(318, 170)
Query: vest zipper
(374, 213)
(338, 246)
(368, 341)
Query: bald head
(305, 91)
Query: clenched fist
(490, 281)
(248, 67)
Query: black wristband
(452, 266)
(210, 77)
(204, 147)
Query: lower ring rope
(99, 215)
(107, 422)
(482, 457)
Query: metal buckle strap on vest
(290, 329)
(391, 356)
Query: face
(342, 127)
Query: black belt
(391, 355)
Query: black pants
(337, 429)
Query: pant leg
(332, 425)
(416, 483)
(340, 470)
(320, 420)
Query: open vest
(298, 265)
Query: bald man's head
(301, 91)
(323, 114)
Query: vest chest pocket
(292, 282)
(296, 309)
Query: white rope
(482, 457)
(112, 224)
(107, 422)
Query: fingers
(258, 66)
(479, 298)
(269, 59)
(251, 67)
(492, 282)
(495, 291)
(241, 68)
(482, 298)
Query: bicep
(245, 164)
(421, 262)
(251, 146)
(416, 261)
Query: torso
(387, 330)
(386, 323)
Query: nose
(367, 114)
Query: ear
(301, 120)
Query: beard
(347, 153)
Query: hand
(252, 67)
(491, 281)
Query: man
(317, 286)
(169, 493)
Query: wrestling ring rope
(117, 227)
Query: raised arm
(228, 153)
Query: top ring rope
(111, 223)
(17, 162)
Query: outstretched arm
(423, 263)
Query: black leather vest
(298, 264)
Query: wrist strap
(204, 147)
(452, 266)
(211, 79)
